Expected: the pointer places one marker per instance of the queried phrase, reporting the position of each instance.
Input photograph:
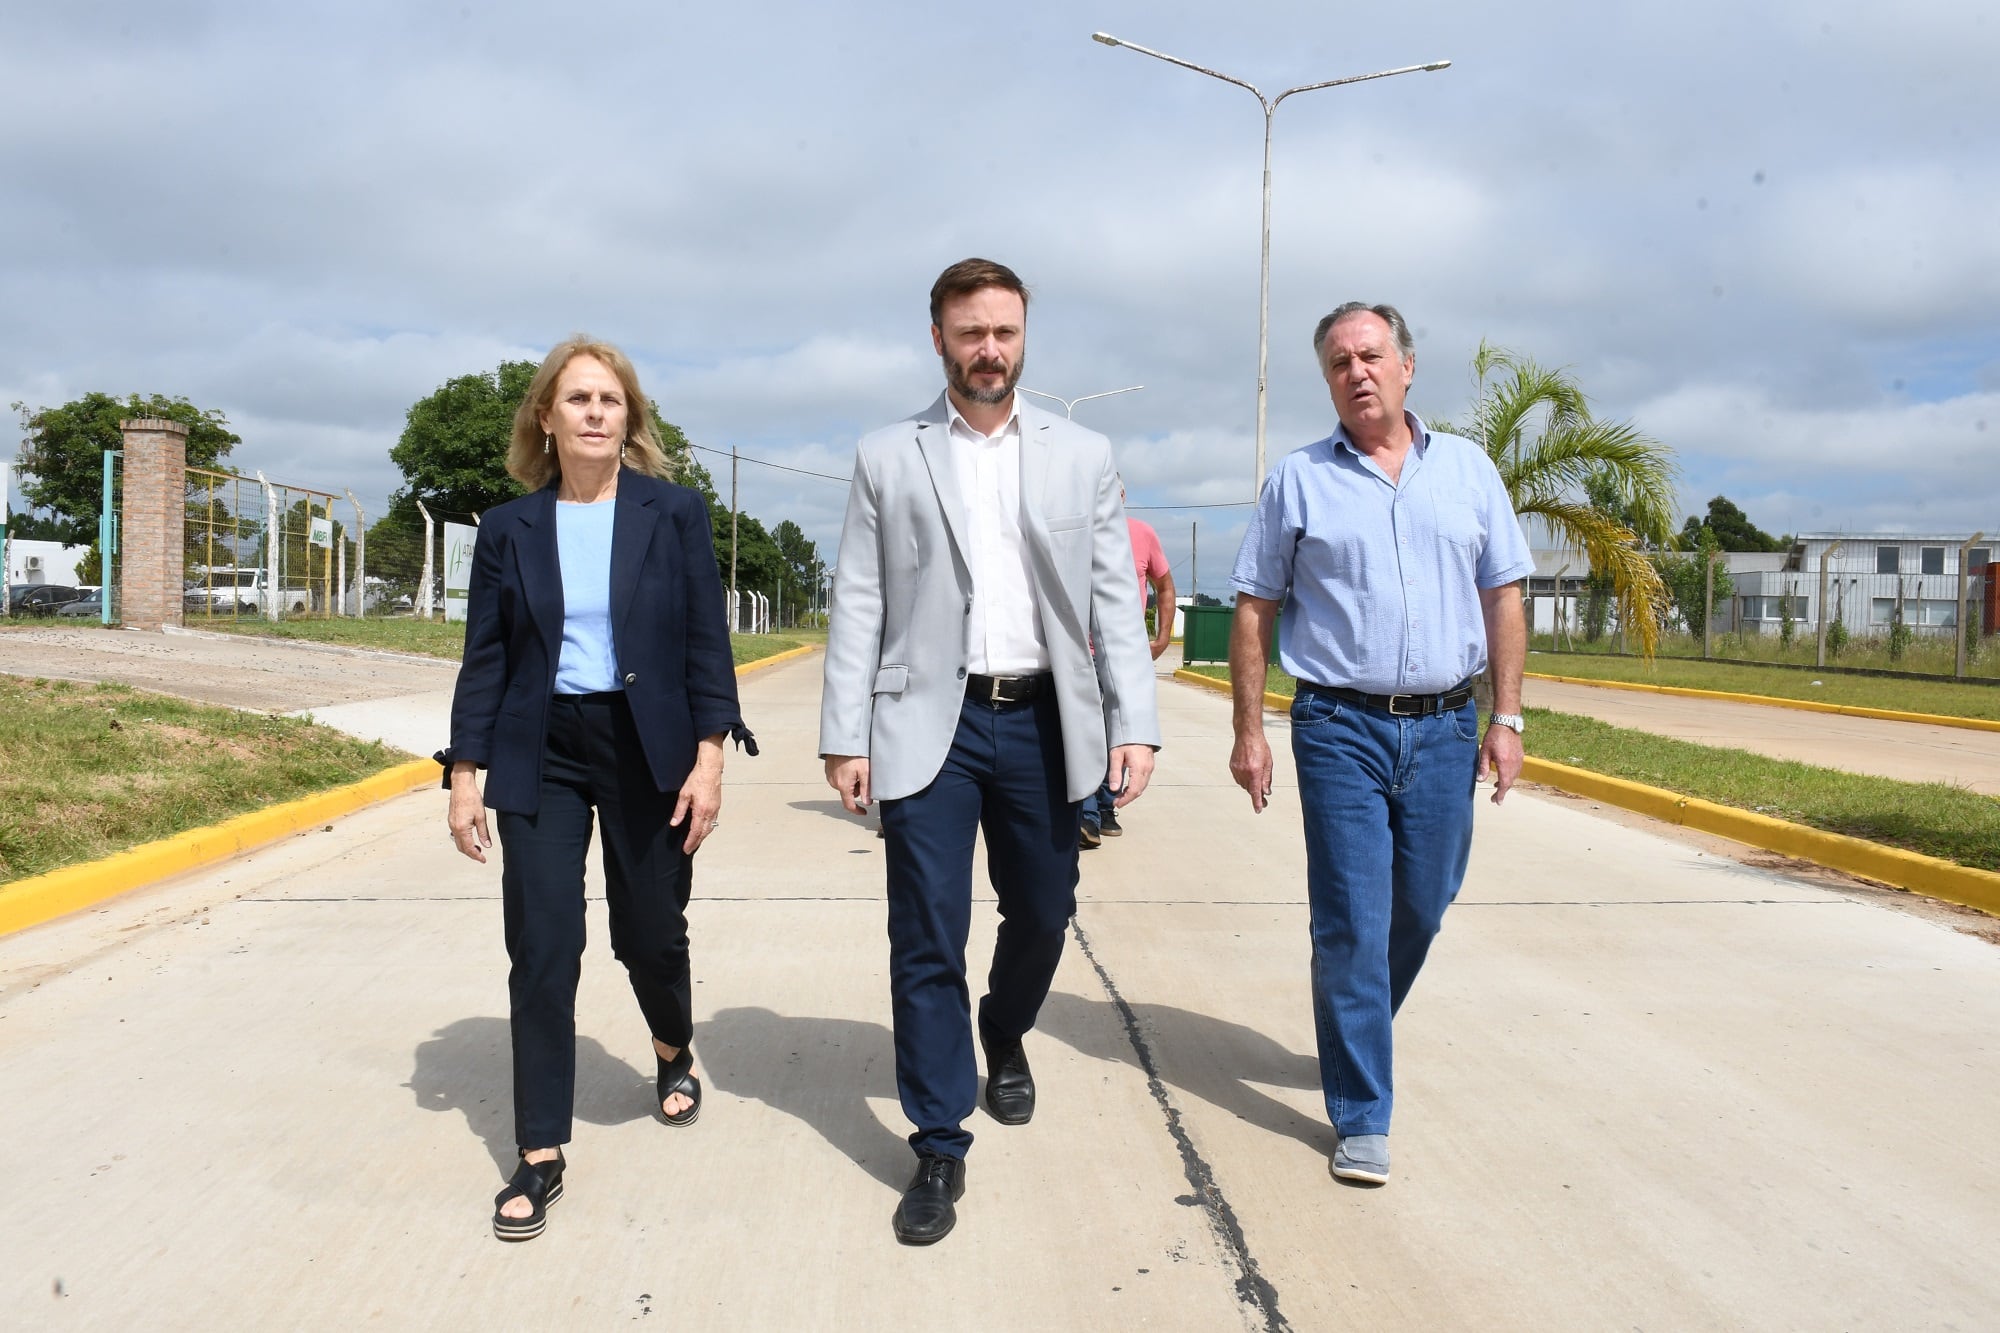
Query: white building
(1868, 577)
(43, 562)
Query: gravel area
(269, 675)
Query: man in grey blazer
(984, 548)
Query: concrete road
(1906, 751)
(1642, 1085)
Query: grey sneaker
(1362, 1157)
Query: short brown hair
(529, 459)
(970, 275)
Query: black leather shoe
(926, 1216)
(1010, 1088)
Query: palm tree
(1536, 426)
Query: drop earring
(547, 441)
(621, 451)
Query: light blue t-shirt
(589, 661)
(1380, 582)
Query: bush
(1899, 639)
(1836, 637)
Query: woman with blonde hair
(597, 680)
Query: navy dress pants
(1004, 776)
(592, 762)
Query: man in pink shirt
(1100, 819)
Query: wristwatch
(1511, 721)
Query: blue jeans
(1387, 803)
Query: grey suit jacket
(897, 646)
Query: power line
(1231, 504)
(804, 472)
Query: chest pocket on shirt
(1458, 520)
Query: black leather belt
(1397, 705)
(1005, 689)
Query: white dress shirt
(1005, 634)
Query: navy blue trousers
(592, 762)
(1004, 776)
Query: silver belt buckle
(995, 695)
(1415, 699)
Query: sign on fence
(458, 542)
(322, 531)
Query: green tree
(801, 565)
(1536, 426)
(62, 451)
(1684, 580)
(35, 528)
(1732, 528)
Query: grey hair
(1388, 314)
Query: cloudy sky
(1769, 234)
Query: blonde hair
(534, 465)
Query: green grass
(1927, 654)
(395, 634)
(1929, 817)
(436, 638)
(87, 770)
(1910, 696)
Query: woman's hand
(701, 794)
(466, 815)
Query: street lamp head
(1106, 38)
(1438, 64)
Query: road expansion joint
(1253, 1289)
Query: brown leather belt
(1005, 689)
(1397, 705)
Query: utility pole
(1819, 654)
(732, 536)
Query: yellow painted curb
(1857, 856)
(29, 902)
(1282, 702)
(1804, 705)
(1891, 865)
(776, 658)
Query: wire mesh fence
(265, 550)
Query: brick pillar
(152, 523)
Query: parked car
(90, 606)
(39, 599)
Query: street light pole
(1270, 105)
(1069, 404)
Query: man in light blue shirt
(1397, 558)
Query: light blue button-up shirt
(1380, 580)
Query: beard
(959, 376)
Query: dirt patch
(265, 675)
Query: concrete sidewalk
(1905, 751)
(1643, 1085)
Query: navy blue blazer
(667, 626)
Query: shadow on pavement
(467, 1066)
(1206, 1057)
(832, 808)
(818, 1070)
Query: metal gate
(260, 549)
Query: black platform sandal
(540, 1183)
(677, 1076)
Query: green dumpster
(1205, 634)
